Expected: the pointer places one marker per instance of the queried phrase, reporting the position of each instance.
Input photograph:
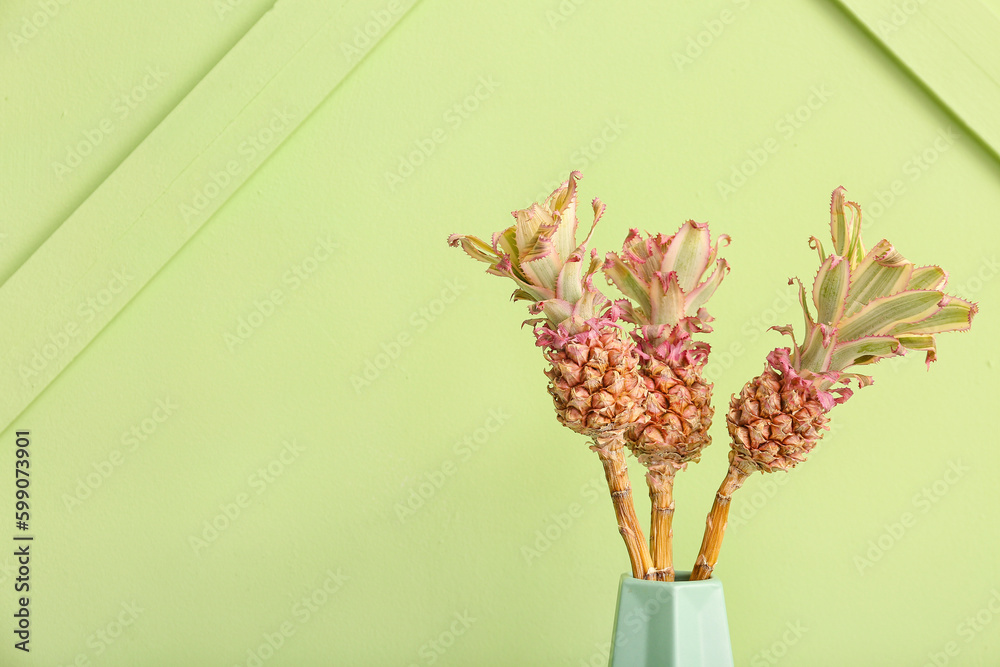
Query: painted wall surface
(275, 420)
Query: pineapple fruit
(869, 305)
(664, 279)
(593, 373)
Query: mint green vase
(671, 624)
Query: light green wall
(565, 80)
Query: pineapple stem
(660, 480)
(715, 525)
(616, 471)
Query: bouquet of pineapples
(644, 389)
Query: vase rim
(681, 577)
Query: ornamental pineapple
(664, 279)
(870, 305)
(593, 371)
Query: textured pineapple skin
(775, 421)
(595, 383)
(679, 413)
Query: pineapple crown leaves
(870, 305)
(664, 278)
(540, 254)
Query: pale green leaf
(688, 254)
(543, 271)
(586, 307)
(862, 351)
(812, 353)
(475, 248)
(855, 249)
(830, 289)
(540, 261)
(595, 264)
(817, 245)
(881, 315)
(625, 280)
(928, 277)
(537, 292)
(507, 241)
(598, 212)
(917, 342)
(838, 223)
(720, 242)
(569, 285)
(955, 315)
(557, 310)
(666, 300)
(924, 344)
(528, 222)
(882, 272)
(522, 295)
(565, 208)
(703, 292)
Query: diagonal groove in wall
(945, 50)
(144, 212)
